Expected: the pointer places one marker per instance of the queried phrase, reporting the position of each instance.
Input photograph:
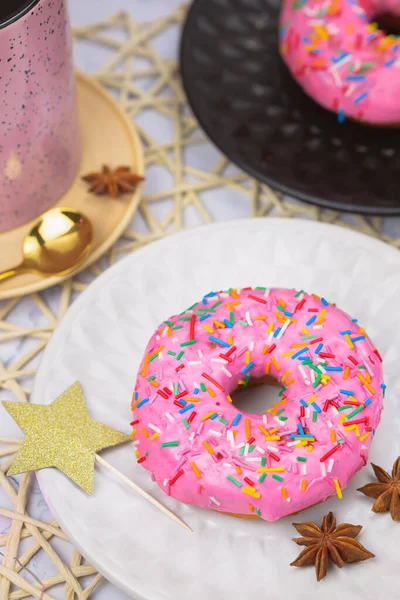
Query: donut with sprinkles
(306, 447)
(340, 57)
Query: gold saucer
(108, 138)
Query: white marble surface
(222, 205)
(27, 314)
(82, 13)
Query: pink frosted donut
(341, 59)
(201, 450)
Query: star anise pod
(113, 182)
(328, 542)
(386, 490)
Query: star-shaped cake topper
(61, 435)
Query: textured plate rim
(264, 178)
(84, 298)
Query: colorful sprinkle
(278, 450)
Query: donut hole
(388, 23)
(258, 396)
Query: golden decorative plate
(108, 138)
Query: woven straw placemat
(145, 82)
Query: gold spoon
(57, 243)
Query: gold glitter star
(61, 435)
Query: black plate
(248, 104)
(12, 10)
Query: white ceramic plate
(100, 343)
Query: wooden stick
(141, 492)
(15, 516)
(9, 450)
(23, 584)
(10, 440)
(123, 478)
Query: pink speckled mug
(40, 146)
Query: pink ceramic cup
(40, 146)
